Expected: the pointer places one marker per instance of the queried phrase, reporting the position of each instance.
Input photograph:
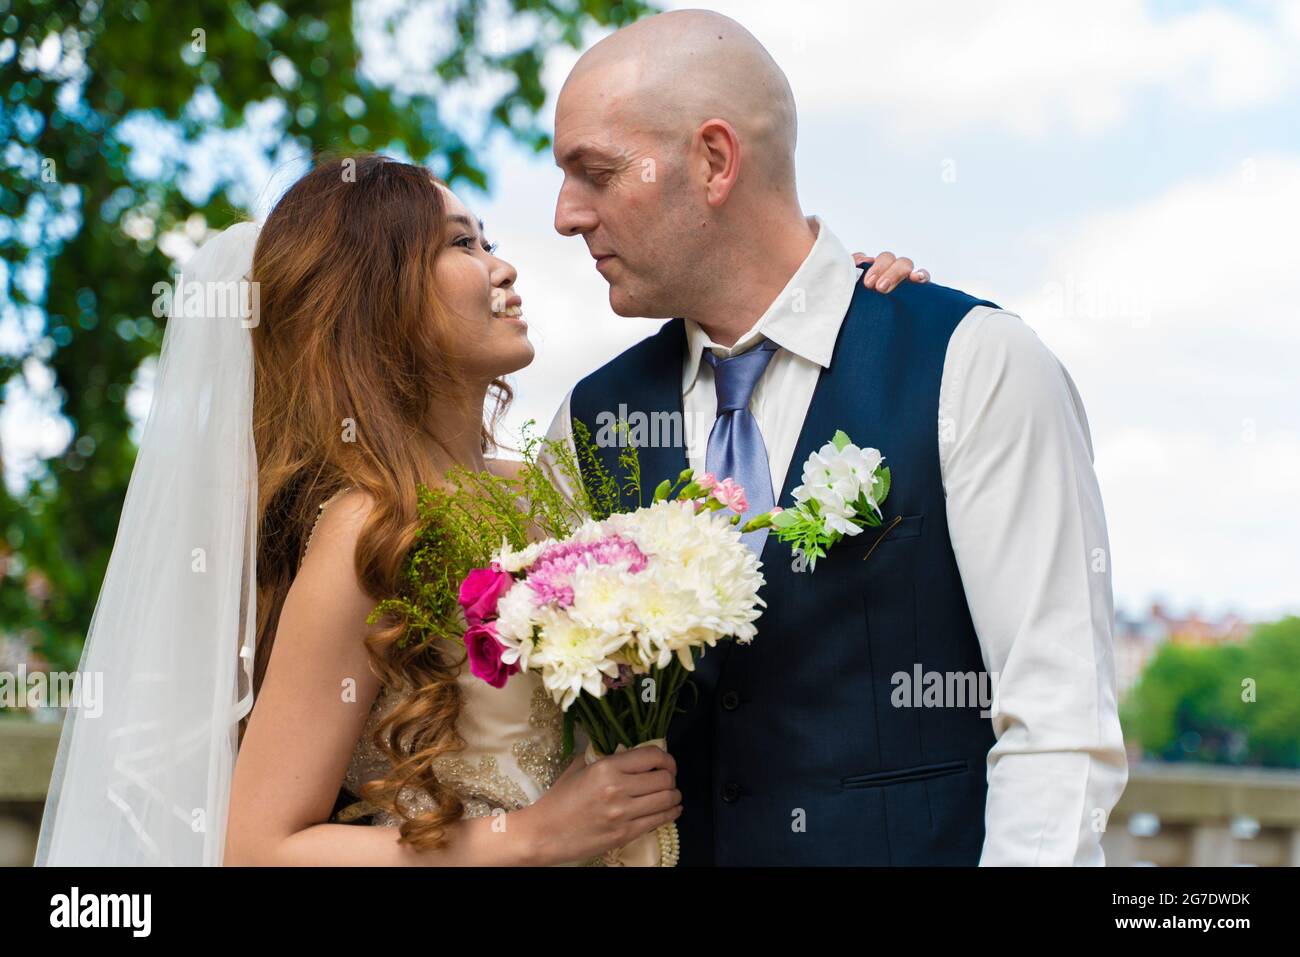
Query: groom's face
(624, 194)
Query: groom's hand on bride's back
(595, 808)
(888, 270)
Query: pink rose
(481, 590)
(731, 495)
(484, 651)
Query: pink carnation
(731, 495)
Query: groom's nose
(572, 218)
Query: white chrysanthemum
(669, 529)
(700, 583)
(603, 596)
(573, 657)
(834, 478)
(515, 622)
(668, 614)
(513, 561)
(733, 583)
(589, 531)
(730, 581)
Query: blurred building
(1137, 636)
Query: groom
(852, 730)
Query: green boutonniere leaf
(785, 519)
(882, 489)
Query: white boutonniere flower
(843, 487)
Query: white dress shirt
(1026, 523)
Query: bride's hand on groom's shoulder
(888, 270)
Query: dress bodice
(513, 749)
(513, 745)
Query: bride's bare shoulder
(326, 587)
(339, 521)
(506, 468)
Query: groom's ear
(721, 146)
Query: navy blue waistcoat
(793, 752)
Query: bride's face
(478, 289)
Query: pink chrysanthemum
(549, 576)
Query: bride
(271, 506)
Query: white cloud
(1179, 319)
(1207, 522)
(1202, 280)
(1025, 66)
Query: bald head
(676, 136)
(667, 74)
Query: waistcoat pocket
(919, 772)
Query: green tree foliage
(79, 221)
(1222, 704)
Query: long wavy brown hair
(353, 349)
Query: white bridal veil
(146, 781)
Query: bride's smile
(477, 286)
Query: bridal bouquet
(636, 594)
(612, 616)
(611, 608)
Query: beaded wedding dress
(513, 753)
(513, 746)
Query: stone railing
(27, 751)
(1202, 815)
(1169, 815)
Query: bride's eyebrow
(466, 222)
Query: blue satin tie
(736, 448)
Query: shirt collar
(805, 316)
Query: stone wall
(1169, 815)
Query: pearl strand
(670, 848)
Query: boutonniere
(843, 486)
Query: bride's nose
(503, 274)
(503, 283)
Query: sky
(1125, 176)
